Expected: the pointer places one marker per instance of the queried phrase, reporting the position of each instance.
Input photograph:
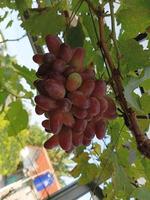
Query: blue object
(43, 181)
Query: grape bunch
(73, 101)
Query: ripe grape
(90, 131)
(65, 138)
(88, 74)
(42, 70)
(48, 58)
(87, 87)
(80, 125)
(57, 76)
(79, 100)
(54, 89)
(52, 142)
(68, 119)
(45, 103)
(59, 65)
(77, 139)
(39, 110)
(79, 113)
(73, 82)
(38, 58)
(86, 141)
(46, 124)
(94, 108)
(56, 122)
(100, 89)
(64, 105)
(53, 44)
(65, 52)
(77, 58)
(100, 129)
(110, 113)
(103, 104)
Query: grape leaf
(47, 22)
(133, 55)
(145, 103)
(75, 36)
(29, 75)
(134, 16)
(17, 117)
(132, 84)
(142, 193)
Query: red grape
(65, 52)
(86, 141)
(39, 110)
(110, 113)
(78, 99)
(79, 113)
(59, 65)
(90, 131)
(80, 125)
(100, 89)
(38, 58)
(46, 124)
(94, 108)
(103, 104)
(45, 103)
(77, 58)
(53, 44)
(100, 129)
(87, 87)
(64, 104)
(68, 119)
(77, 139)
(56, 122)
(54, 89)
(65, 138)
(51, 142)
(48, 58)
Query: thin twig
(14, 40)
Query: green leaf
(134, 83)
(29, 75)
(75, 36)
(145, 103)
(3, 96)
(142, 193)
(133, 55)
(17, 117)
(134, 16)
(47, 22)
(87, 171)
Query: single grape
(80, 125)
(103, 104)
(39, 84)
(56, 122)
(100, 129)
(65, 138)
(77, 58)
(88, 74)
(87, 87)
(54, 89)
(69, 70)
(45, 103)
(68, 119)
(73, 82)
(77, 139)
(79, 100)
(90, 130)
(64, 105)
(57, 76)
(79, 113)
(46, 124)
(110, 113)
(53, 44)
(39, 110)
(94, 108)
(65, 52)
(48, 58)
(59, 65)
(38, 58)
(86, 141)
(52, 142)
(42, 70)
(100, 89)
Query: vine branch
(13, 40)
(143, 143)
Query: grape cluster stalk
(74, 103)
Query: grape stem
(143, 143)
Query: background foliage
(115, 162)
